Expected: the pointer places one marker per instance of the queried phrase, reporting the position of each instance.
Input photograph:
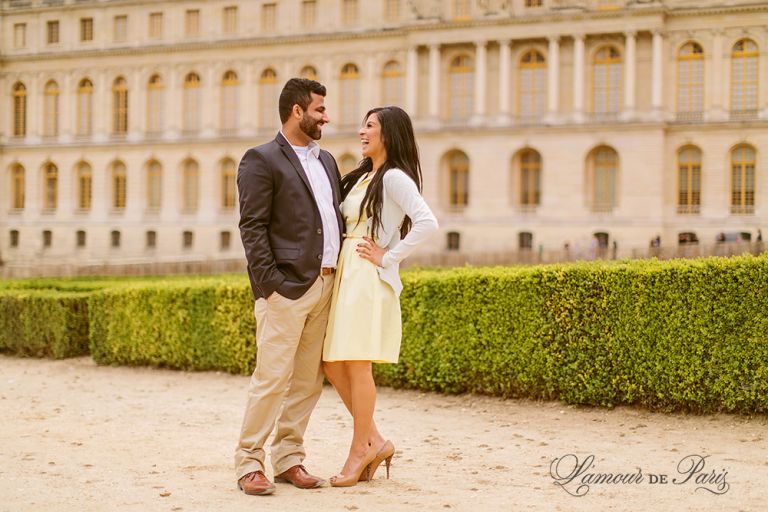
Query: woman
(381, 204)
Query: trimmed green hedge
(189, 325)
(666, 335)
(44, 323)
(672, 335)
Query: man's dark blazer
(280, 222)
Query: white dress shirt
(309, 156)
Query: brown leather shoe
(256, 483)
(298, 476)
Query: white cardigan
(401, 197)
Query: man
(291, 228)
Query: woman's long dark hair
(402, 153)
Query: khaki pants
(288, 375)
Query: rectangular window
(151, 239)
(86, 29)
(14, 238)
(53, 32)
(47, 238)
(392, 10)
(225, 240)
(81, 238)
(268, 17)
(121, 29)
(308, 13)
(349, 12)
(156, 25)
(230, 20)
(115, 239)
(533, 3)
(20, 35)
(192, 23)
(187, 239)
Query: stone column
(137, 104)
(173, 99)
(102, 106)
(629, 74)
(578, 77)
(505, 61)
(553, 78)
(434, 82)
(249, 113)
(67, 103)
(411, 75)
(481, 57)
(657, 71)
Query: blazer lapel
(290, 154)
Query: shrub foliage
(673, 335)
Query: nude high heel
(355, 476)
(385, 455)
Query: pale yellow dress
(364, 322)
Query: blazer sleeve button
(320, 256)
(319, 231)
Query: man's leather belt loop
(325, 271)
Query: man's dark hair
(298, 91)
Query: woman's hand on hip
(370, 251)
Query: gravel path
(79, 437)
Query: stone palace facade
(540, 122)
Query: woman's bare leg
(363, 402)
(337, 375)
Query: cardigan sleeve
(402, 190)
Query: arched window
(228, 186)
(51, 109)
(85, 107)
(19, 110)
(154, 185)
(119, 106)
(602, 179)
(457, 170)
(529, 162)
(84, 186)
(155, 104)
(392, 80)
(268, 96)
(606, 80)
(532, 91)
(18, 185)
(689, 180)
(50, 186)
(690, 80)
(229, 103)
(347, 163)
(191, 117)
(190, 186)
(461, 74)
(119, 185)
(744, 69)
(350, 95)
(743, 179)
(308, 72)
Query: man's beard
(310, 127)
